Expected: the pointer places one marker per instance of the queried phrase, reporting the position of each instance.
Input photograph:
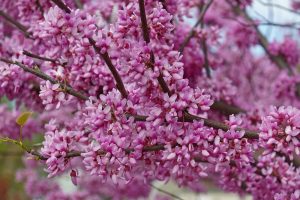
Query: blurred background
(273, 11)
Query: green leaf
(23, 117)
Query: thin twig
(249, 134)
(164, 4)
(44, 76)
(279, 61)
(62, 5)
(105, 56)
(17, 24)
(292, 25)
(278, 6)
(165, 192)
(193, 31)
(32, 55)
(112, 68)
(162, 83)
(226, 108)
(146, 36)
(206, 61)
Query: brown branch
(37, 2)
(226, 108)
(17, 24)
(71, 91)
(146, 35)
(164, 4)
(62, 5)
(193, 31)
(206, 61)
(32, 55)
(145, 27)
(152, 148)
(249, 134)
(166, 192)
(279, 61)
(231, 163)
(105, 56)
(44, 76)
(112, 68)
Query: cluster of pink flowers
(280, 131)
(52, 95)
(288, 49)
(128, 92)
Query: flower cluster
(122, 92)
(288, 49)
(57, 145)
(52, 95)
(280, 131)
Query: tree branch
(62, 6)
(187, 117)
(112, 68)
(166, 192)
(164, 4)
(193, 31)
(105, 56)
(162, 83)
(146, 35)
(32, 55)
(226, 108)
(44, 76)
(206, 61)
(17, 24)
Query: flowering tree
(127, 92)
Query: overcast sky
(274, 14)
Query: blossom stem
(187, 116)
(206, 61)
(166, 192)
(62, 6)
(193, 31)
(105, 56)
(145, 27)
(32, 55)
(17, 24)
(163, 2)
(146, 35)
(44, 76)
(226, 108)
(112, 68)
(120, 85)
